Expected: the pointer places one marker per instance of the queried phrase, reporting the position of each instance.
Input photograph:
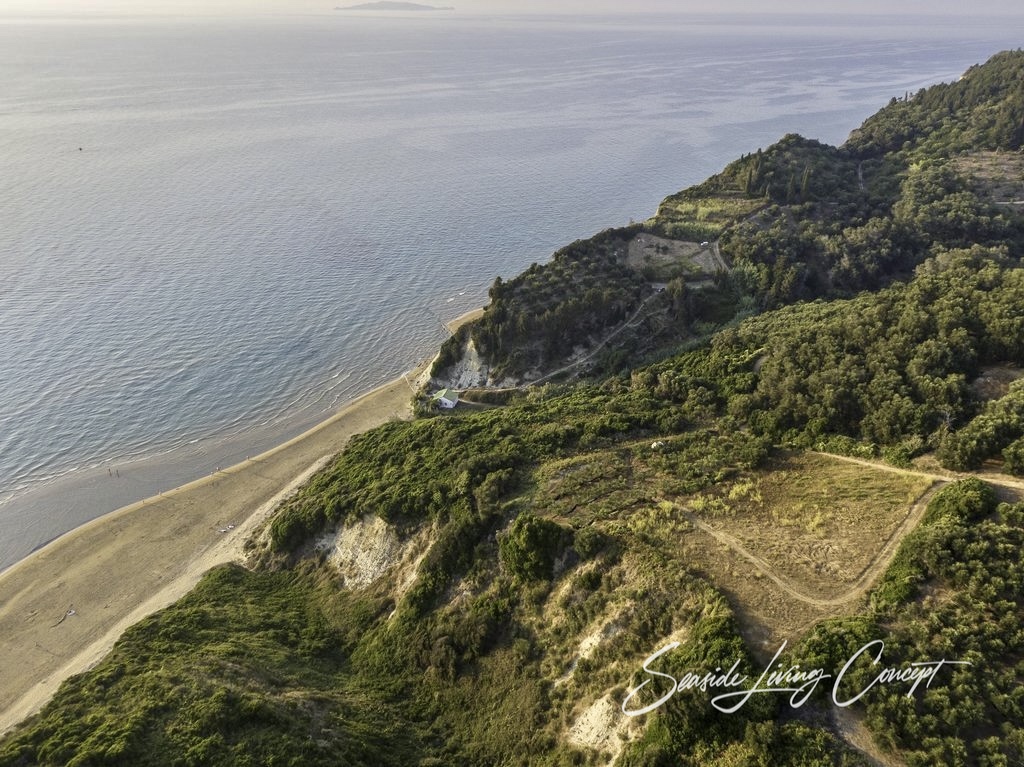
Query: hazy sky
(925, 7)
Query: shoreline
(122, 566)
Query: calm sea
(214, 232)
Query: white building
(446, 398)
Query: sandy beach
(63, 607)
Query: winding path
(717, 254)
(993, 478)
(577, 363)
(877, 566)
(868, 576)
(850, 727)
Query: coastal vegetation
(797, 221)
(680, 492)
(540, 316)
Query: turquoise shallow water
(215, 232)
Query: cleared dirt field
(662, 259)
(994, 381)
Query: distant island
(387, 5)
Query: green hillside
(797, 221)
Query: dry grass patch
(817, 521)
(999, 175)
(767, 615)
(796, 535)
(592, 487)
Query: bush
(1013, 457)
(530, 547)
